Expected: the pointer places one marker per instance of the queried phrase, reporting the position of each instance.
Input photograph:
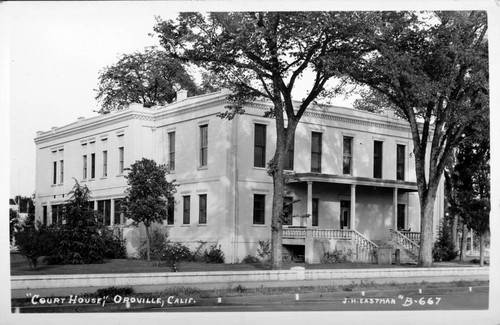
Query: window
(54, 172)
(171, 151)
(61, 171)
(401, 216)
(118, 214)
(203, 209)
(259, 205)
(377, 159)
(287, 210)
(259, 153)
(170, 211)
(44, 220)
(92, 165)
(121, 155)
(289, 156)
(203, 145)
(186, 209)
(316, 152)
(315, 212)
(104, 207)
(347, 161)
(104, 164)
(84, 166)
(56, 214)
(400, 162)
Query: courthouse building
(354, 187)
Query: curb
(224, 277)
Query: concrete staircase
(408, 248)
(407, 256)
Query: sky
(56, 53)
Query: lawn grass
(19, 266)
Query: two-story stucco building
(354, 186)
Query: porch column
(112, 212)
(353, 207)
(308, 222)
(395, 207)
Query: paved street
(455, 298)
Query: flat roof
(352, 180)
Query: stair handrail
(360, 239)
(403, 240)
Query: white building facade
(354, 187)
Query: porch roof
(352, 180)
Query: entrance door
(401, 216)
(345, 214)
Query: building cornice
(340, 117)
(176, 109)
(100, 122)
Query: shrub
(477, 261)
(336, 256)
(114, 245)
(80, 236)
(264, 249)
(175, 253)
(114, 291)
(214, 256)
(158, 243)
(31, 243)
(197, 254)
(249, 259)
(443, 249)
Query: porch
(344, 212)
(361, 249)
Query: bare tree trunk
(148, 246)
(426, 233)
(463, 246)
(454, 232)
(481, 249)
(276, 224)
(277, 210)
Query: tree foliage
(149, 77)
(468, 179)
(265, 55)
(444, 249)
(13, 223)
(146, 199)
(433, 67)
(80, 240)
(34, 242)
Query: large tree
(264, 55)
(149, 77)
(469, 179)
(433, 67)
(147, 196)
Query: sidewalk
(214, 285)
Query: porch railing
(364, 246)
(362, 241)
(294, 232)
(413, 236)
(404, 241)
(331, 233)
